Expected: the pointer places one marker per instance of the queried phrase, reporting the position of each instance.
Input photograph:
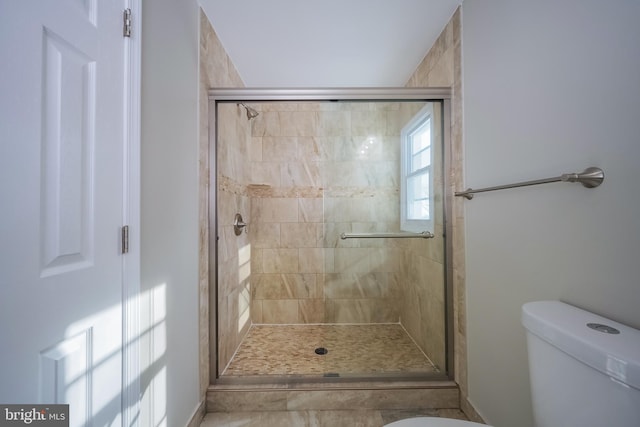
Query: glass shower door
(306, 292)
(383, 296)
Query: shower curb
(333, 396)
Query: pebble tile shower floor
(351, 350)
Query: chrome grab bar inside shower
(422, 235)
(590, 178)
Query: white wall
(169, 252)
(549, 87)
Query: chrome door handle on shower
(239, 224)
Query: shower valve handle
(239, 225)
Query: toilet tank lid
(565, 327)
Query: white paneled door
(62, 182)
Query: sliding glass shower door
(341, 270)
(384, 283)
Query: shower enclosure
(328, 225)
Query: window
(416, 212)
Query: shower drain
(321, 351)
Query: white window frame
(406, 224)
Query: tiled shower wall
(286, 210)
(234, 252)
(423, 270)
(442, 67)
(216, 70)
(302, 272)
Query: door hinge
(126, 17)
(125, 239)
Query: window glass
(416, 153)
(418, 197)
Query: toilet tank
(584, 369)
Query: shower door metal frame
(227, 95)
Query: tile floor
(351, 350)
(355, 418)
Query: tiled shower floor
(352, 350)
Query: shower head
(251, 113)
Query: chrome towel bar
(422, 235)
(591, 177)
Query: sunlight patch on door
(66, 376)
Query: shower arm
(590, 178)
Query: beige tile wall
(320, 169)
(216, 70)
(422, 301)
(234, 251)
(442, 67)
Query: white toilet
(433, 422)
(584, 369)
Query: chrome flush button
(603, 328)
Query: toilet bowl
(433, 422)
